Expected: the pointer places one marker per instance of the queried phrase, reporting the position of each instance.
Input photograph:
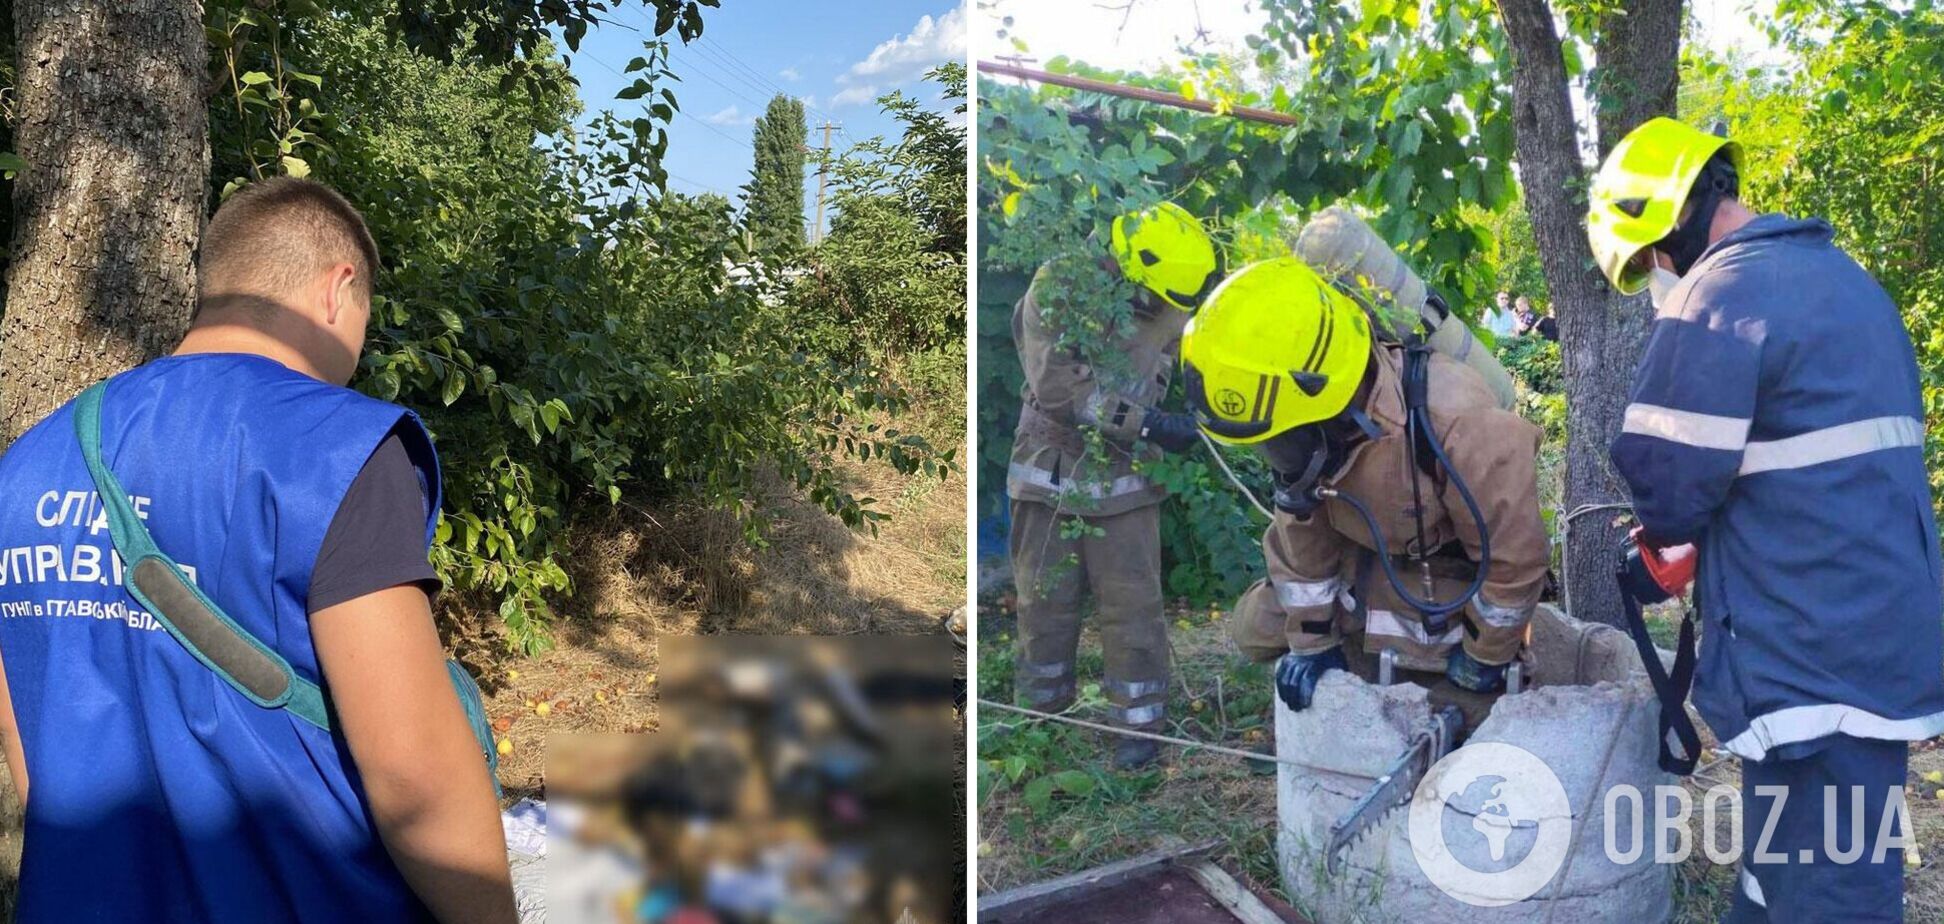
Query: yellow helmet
(1165, 250)
(1272, 322)
(1636, 197)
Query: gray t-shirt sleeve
(377, 537)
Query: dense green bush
(890, 275)
(1533, 360)
(568, 329)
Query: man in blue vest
(154, 790)
(1776, 423)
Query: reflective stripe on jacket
(1777, 419)
(1066, 396)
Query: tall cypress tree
(776, 188)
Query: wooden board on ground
(1176, 884)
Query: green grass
(1050, 803)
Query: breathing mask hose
(1428, 607)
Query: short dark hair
(279, 233)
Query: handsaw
(1395, 786)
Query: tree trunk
(114, 132)
(1600, 332)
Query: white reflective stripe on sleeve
(1706, 431)
(1039, 477)
(1385, 622)
(1807, 723)
(1293, 594)
(1832, 443)
(1752, 888)
(1500, 617)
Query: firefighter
(1776, 423)
(1114, 550)
(1406, 504)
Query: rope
(1131, 733)
(1217, 453)
(1566, 548)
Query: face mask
(1660, 284)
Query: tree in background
(1637, 45)
(111, 155)
(113, 145)
(893, 264)
(776, 184)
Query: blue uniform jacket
(157, 792)
(1776, 420)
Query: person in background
(1499, 319)
(1526, 319)
(1548, 326)
(304, 510)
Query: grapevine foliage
(1394, 112)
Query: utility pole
(823, 175)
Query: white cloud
(933, 41)
(728, 116)
(790, 73)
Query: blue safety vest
(1777, 419)
(158, 792)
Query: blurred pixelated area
(797, 779)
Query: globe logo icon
(1490, 824)
(1496, 820)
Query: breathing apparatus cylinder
(1341, 247)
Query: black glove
(1297, 674)
(1170, 431)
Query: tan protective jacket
(1065, 396)
(1322, 566)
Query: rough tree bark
(114, 132)
(1600, 332)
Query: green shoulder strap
(157, 582)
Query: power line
(611, 69)
(738, 64)
(713, 46)
(714, 189)
(718, 131)
(705, 75)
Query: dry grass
(645, 572)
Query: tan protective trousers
(1116, 558)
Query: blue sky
(838, 57)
